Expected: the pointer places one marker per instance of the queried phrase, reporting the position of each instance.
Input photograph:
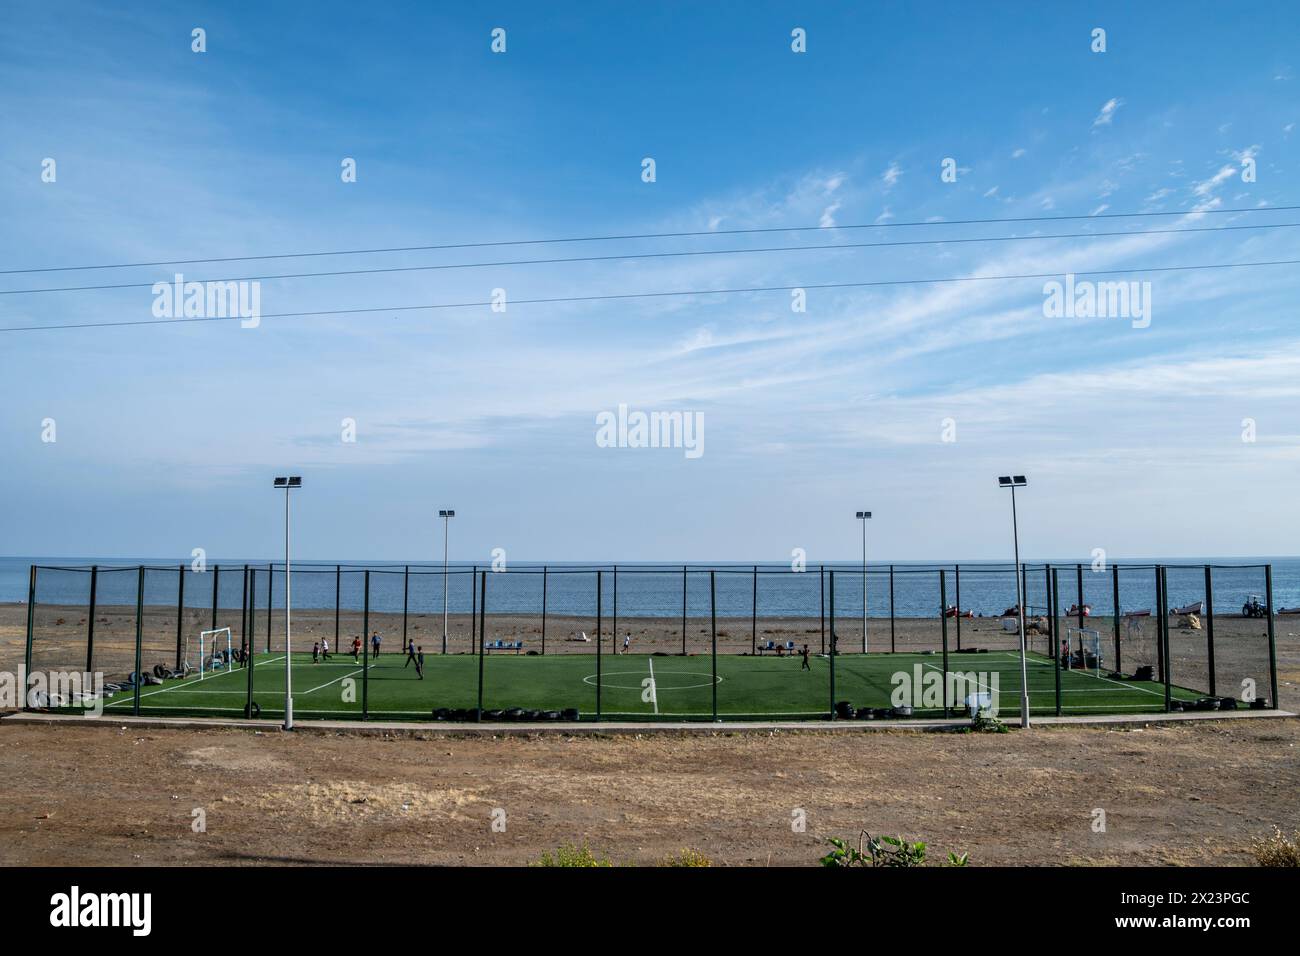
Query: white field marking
(184, 683)
(654, 690)
(1130, 687)
(1140, 690)
(334, 681)
(1076, 690)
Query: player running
(419, 662)
(410, 656)
(356, 650)
(805, 666)
(374, 644)
(315, 653)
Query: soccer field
(634, 686)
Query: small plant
(570, 855)
(687, 857)
(984, 723)
(1277, 850)
(882, 851)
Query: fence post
(613, 637)
(31, 627)
(544, 570)
(713, 630)
(474, 636)
(1047, 599)
(90, 621)
(600, 587)
(943, 628)
(244, 645)
(139, 637)
(1209, 625)
(1272, 641)
(833, 641)
(1164, 643)
(180, 615)
(482, 638)
(1056, 637)
(216, 579)
(1114, 576)
(338, 596)
(1079, 571)
(683, 610)
(270, 603)
(956, 583)
(365, 649)
(892, 645)
(753, 618)
(1160, 630)
(248, 656)
(822, 576)
(406, 600)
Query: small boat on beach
(1145, 612)
(1196, 607)
(1074, 610)
(951, 611)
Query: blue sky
(168, 435)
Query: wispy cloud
(1108, 110)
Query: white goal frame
(212, 639)
(1085, 640)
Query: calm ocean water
(655, 590)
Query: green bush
(882, 851)
(570, 855)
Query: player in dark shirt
(805, 666)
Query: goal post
(215, 650)
(1082, 650)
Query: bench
(516, 646)
(787, 647)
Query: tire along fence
(653, 642)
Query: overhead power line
(663, 255)
(647, 235)
(878, 283)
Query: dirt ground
(1171, 795)
(104, 794)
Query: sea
(729, 589)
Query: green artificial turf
(683, 687)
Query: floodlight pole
(288, 628)
(1020, 607)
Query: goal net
(1082, 650)
(213, 652)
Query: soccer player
(315, 653)
(627, 639)
(325, 648)
(805, 666)
(410, 655)
(356, 649)
(374, 644)
(419, 662)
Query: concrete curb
(702, 728)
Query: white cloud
(1018, 153)
(890, 176)
(1107, 113)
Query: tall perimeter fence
(713, 642)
